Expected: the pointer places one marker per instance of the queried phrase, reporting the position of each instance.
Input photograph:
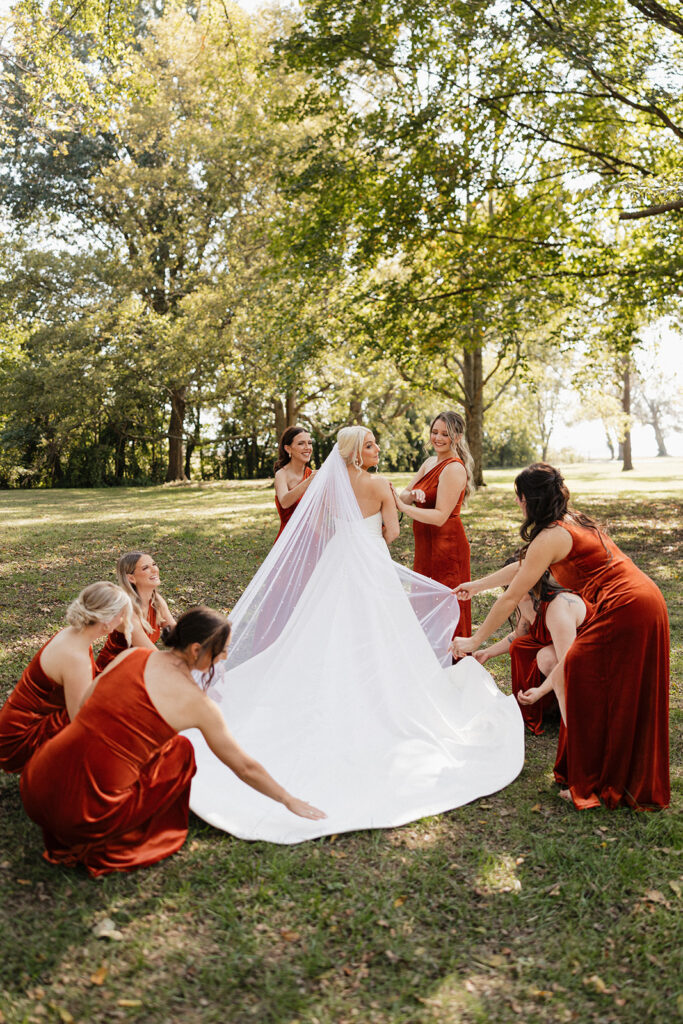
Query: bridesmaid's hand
(462, 645)
(529, 696)
(481, 656)
(303, 809)
(465, 591)
(400, 505)
(419, 497)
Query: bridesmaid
(112, 790)
(544, 632)
(442, 551)
(52, 687)
(613, 682)
(138, 575)
(292, 472)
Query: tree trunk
(285, 411)
(175, 469)
(473, 387)
(659, 436)
(626, 407)
(355, 411)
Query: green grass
(514, 908)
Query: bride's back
(370, 491)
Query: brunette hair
(101, 602)
(126, 564)
(350, 441)
(283, 457)
(455, 425)
(202, 626)
(547, 500)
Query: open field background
(514, 908)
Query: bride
(339, 678)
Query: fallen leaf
(676, 886)
(106, 929)
(338, 854)
(399, 901)
(382, 923)
(655, 896)
(100, 974)
(24, 881)
(390, 955)
(289, 936)
(536, 808)
(64, 1015)
(334, 838)
(595, 982)
(129, 1002)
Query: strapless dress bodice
(373, 524)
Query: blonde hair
(350, 441)
(101, 602)
(455, 425)
(126, 564)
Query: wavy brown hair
(455, 425)
(547, 500)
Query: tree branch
(652, 211)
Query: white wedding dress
(348, 707)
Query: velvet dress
(525, 671)
(286, 513)
(33, 713)
(615, 747)
(443, 552)
(116, 642)
(111, 791)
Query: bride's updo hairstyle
(202, 626)
(283, 456)
(350, 441)
(547, 500)
(101, 602)
(455, 425)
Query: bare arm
(390, 525)
(503, 646)
(139, 637)
(409, 494)
(550, 546)
(501, 578)
(77, 681)
(287, 496)
(165, 618)
(452, 483)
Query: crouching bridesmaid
(112, 790)
(138, 575)
(53, 685)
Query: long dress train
(349, 707)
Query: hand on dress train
(303, 809)
(530, 696)
(462, 645)
(465, 591)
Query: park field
(513, 908)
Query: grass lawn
(514, 908)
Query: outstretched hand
(481, 656)
(304, 809)
(400, 505)
(462, 645)
(464, 591)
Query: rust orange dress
(111, 790)
(33, 713)
(615, 747)
(525, 671)
(116, 642)
(443, 552)
(286, 513)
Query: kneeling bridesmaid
(138, 575)
(52, 687)
(112, 790)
